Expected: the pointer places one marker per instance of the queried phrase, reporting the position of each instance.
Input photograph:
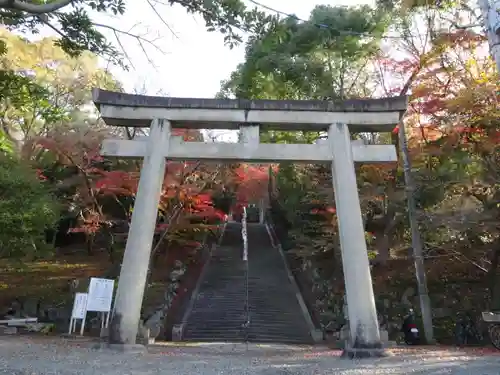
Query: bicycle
(493, 321)
(466, 330)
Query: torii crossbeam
(161, 114)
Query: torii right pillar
(364, 338)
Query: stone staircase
(218, 312)
(275, 313)
(219, 309)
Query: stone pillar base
(355, 353)
(177, 330)
(384, 337)
(122, 348)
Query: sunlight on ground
(46, 279)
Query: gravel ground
(24, 356)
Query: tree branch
(34, 8)
(142, 41)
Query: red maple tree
(185, 202)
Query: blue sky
(194, 63)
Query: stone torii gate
(161, 114)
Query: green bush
(27, 209)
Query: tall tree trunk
(494, 279)
(90, 243)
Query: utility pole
(491, 18)
(416, 240)
(491, 15)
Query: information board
(100, 294)
(79, 306)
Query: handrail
(244, 235)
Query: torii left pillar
(127, 308)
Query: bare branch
(115, 32)
(141, 40)
(162, 20)
(198, 8)
(123, 49)
(46, 22)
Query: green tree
(5, 144)
(327, 56)
(41, 87)
(410, 5)
(27, 209)
(23, 103)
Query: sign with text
(100, 294)
(79, 306)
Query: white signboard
(79, 306)
(100, 294)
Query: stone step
(217, 315)
(236, 331)
(263, 322)
(280, 340)
(203, 295)
(278, 314)
(277, 329)
(208, 338)
(259, 337)
(213, 331)
(278, 300)
(295, 321)
(222, 326)
(214, 336)
(216, 329)
(202, 318)
(220, 304)
(211, 306)
(264, 313)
